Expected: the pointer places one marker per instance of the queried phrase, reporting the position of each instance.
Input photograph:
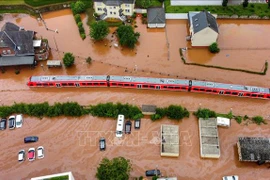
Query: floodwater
(61, 137)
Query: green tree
(78, 7)
(68, 59)
(146, 3)
(245, 3)
(77, 18)
(224, 3)
(268, 4)
(117, 168)
(127, 36)
(205, 113)
(213, 48)
(177, 112)
(99, 30)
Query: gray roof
(155, 15)
(16, 60)
(115, 2)
(203, 20)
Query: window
(110, 12)
(170, 87)
(165, 87)
(38, 84)
(145, 86)
(114, 13)
(51, 84)
(99, 9)
(127, 10)
(234, 93)
(196, 89)
(89, 84)
(102, 84)
(227, 92)
(126, 84)
(208, 90)
(114, 7)
(247, 94)
(254, 95)
(120, 84)
(151, 86)
(215, 91)
(132, 85)
(95, 84)
(64, 84)
(127, 5)
(70, 84)
(202, 89)
(114, 84)
(179, 87)
(83, 84)
(183, 88)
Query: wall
(204, 38)
(195, 2)
(156, 25)
(176, 16)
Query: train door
(240, 94)
(139, 86)
(221, 92)
(158, 87)
(77, 84)
(58, 85)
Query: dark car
(102, 144)
(3, 124)
(128, 127)
(30, 139)
(152, 172)
(11, 122)
(137, 124)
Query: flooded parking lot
(63, 138)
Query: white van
(19, 120)
(225, 122)
(120, 125)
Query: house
(114, 9)
(202, 2)
(18, 47)
(203, 28)
(156, 17)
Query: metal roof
(68, 78)
(150, 80)
(203, 20)
(230, 86)
(156, 15)
(16, 60)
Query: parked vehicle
(40, 152)
(31, 154)
(21, 155)
(120, 125)
(102, 144)
(30, 139)
(3, 124)
(11, 122)
(137, 124)
(153, 172)
(230, 178)
(128, 127)
(19, 120)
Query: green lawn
(252, 9)
(11, 2)
(36, 3)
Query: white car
(21, 155)
(40, 152)
(19, 120)
(31, 154)
(230, 178)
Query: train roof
(253, 89)
(149, 80)
(68, 78)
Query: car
(137, 124)
(102, 144)
(3, 124)
(128, 127)
(19, 120)
(21, 155)
(30, 139)
(31, 154)
(40, 152)
(11, 122)
(152, 172)
(230, 178)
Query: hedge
(173, 112)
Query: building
(156, 17)
(149, 109)
(114, 9)
(202, 2)
(67, 175)
(203, 28)
(254, 149)
(209, 141)
(18, 47)
(169, 141)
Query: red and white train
(149, 83)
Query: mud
(63, 138)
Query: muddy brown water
(63, 138)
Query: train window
(183, 88)
(260, 96)
(268, 96)
(179, 87)
(227, 92)
(95, 84)
(51, 84)
(165, 87)
(151, 86)
(89, 84)
(126, 84)
(83, 84)
(208, 90)
(70, 84)
(234, 93)
(196, 89)
(202, 89)
(170, 87)
(145, 86)
(45, 84)
(247, 94)
(102, 83)
(64, 84)
(114, 84)
(132, 85)
(215, 91)
(254, 95)
(120, 84)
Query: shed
(156, 17)
(169, 141)
(221, 121)
(149, 109)
(54, 63)
(37, 43)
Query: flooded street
(71, 143)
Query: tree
(127, 36)
(213, 48)
(146, 3)
(268, 4)
(117, 168)
(78, 7)
(68, 59)
(99, 30)
(245, 3)
(224, 3)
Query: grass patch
(89, 12)
(11, 2)
(36, 3)
(154, 3)
(259, 9)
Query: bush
(77, 18)
(144, 15)
(258, 120)
(68, 59)
(205, 113)
(88, 60)
(81, 30)
(80, 24)
(140, 178)
(78, 7)
(246, 117)
(238, 119)
(155, 117)
(83, 36)
(213, 48)
(17, 71)
(177, 112)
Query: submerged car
(3, 124)
(19, 120)
(128, 127)
(40, 152)
(230, 178)
(31, 154)
(153, 172)
(21, 155)
(11, 122)
(137, 124)
(30, 139)
(102, 144)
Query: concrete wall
(195, 2)
(204, 37)
(142, 11)
(176, 16)
(156, 25)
